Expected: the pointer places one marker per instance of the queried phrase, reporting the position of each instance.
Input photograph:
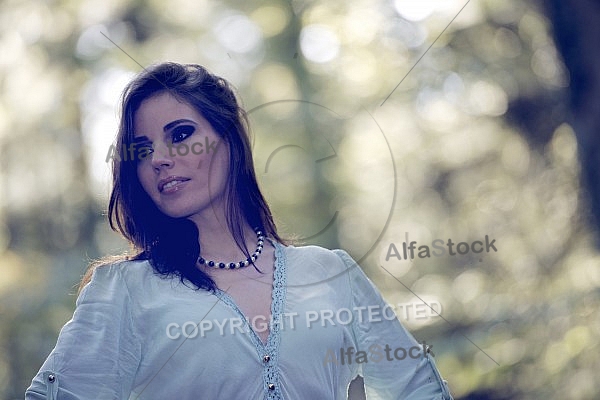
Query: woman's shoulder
(315, 257)
(118, 272)
(128, 269)
(312, 251)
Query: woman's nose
(162, 156)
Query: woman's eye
(181, 133)
(143, 152)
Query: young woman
(214, 305)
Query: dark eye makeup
(178, 134)
(144, 150)
(182, 132)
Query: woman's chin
(176, 213)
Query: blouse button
(51, 378)
(266, 358)
(271, 386)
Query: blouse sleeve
(97, 352)
(398, 367)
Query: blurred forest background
(494, 132)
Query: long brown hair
(171, 244)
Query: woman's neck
(217, 241)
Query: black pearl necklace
(243, 263)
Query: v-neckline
(277, 301)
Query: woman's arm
(398, 366)
(97, 353)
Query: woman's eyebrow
(173, 124)
(140, 139)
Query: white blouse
(139, 335)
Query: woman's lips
(171, 184)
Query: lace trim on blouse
(268, 355)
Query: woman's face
(182, 163)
